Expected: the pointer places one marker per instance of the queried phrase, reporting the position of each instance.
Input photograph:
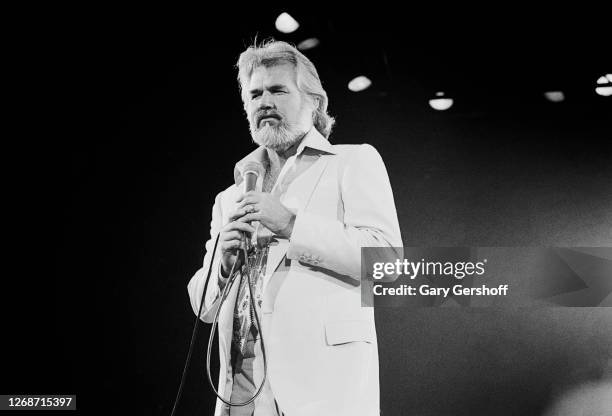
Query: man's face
(279, 115)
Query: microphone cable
(214, 326)
(194, 332)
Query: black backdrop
(138, 123)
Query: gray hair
(271, 53)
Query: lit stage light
(359, 83)
(554, 96)
(604, 85)
(308, 44)
(285, 23)
(441, 103)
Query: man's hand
(231, 241)
(268, 210)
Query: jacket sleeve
(370, 219)
(198, 281)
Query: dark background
(134, 123)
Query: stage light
(285, 23)
(359, 83)
(554, 96)
(604, 85)
(441, 103)
(308, 44)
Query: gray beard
(278, 138)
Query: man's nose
(267, 101)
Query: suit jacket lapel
(299, 190)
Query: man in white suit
(319, 204)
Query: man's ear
(317, 102)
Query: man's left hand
(268, 210)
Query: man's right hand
(232, 242)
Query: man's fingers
(231, 235)
(238, 226)
(231, 245)
(246, 195)
(255, 216)
(248, 199)
(237, 214)
(243, 209)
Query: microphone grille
(253, 167)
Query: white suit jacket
(320, 343)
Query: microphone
(250, 174)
